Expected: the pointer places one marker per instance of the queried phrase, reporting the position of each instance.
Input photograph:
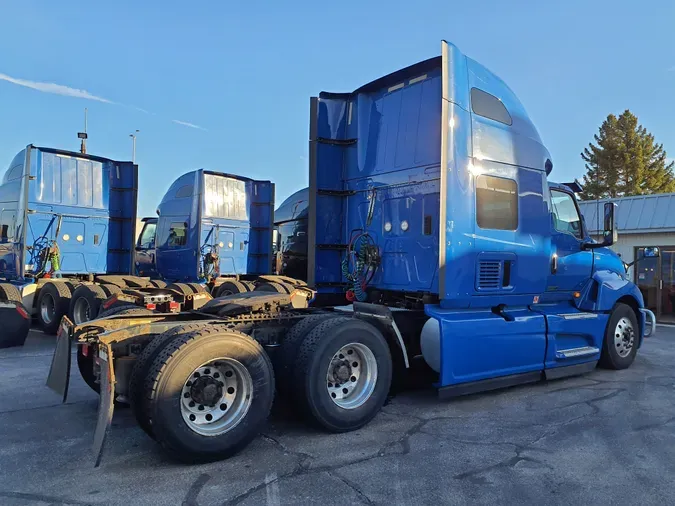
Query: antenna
(83, 135)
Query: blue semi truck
(67, 230)
(434, 240)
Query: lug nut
(355, 364)
(230, 390)
(223, 407)
(228, 374)
(207, 371)
(353, 378)
(209, 418)
(193, 418)
(192, 404)
(186, 395)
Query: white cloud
(191, 125)
(56, 89)
(67, 91)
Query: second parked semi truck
(433, 227)
(67, 228)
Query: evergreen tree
(625, 160)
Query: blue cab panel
(205, 212)
(83, 204)
(440, 167)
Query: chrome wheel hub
(624, 337)
(216, 396)
(351, 376)
(47, 308)
(81, 311)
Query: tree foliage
(625, 160)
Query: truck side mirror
(610, 233)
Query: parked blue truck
(67, 228)
(433, 234)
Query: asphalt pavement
(604, 438)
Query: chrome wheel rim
(351, 376)
(216, 396)
(624, 337)
(81, 311)
(47, 308)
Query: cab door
(571, 265)
(145, 250)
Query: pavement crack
(195, 489)
(656, 425)
(304, 457)
(474, 475)
(364, 498)
(43, 498)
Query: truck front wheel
(343, 373)
(210, 394)
(620, 344)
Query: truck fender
(381, 316)
(613, 288)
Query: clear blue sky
(244, 72)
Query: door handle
(554, 263)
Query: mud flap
(105, 402)
(59, 372)
(15, 324)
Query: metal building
(646, 220)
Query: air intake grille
(489, 275)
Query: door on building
(655, 277)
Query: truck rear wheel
(210, 395)
(288, 351)
(619, 347)
(137, 394)
(231, 288)
(343, 373)
(9, 293)
(85, 303)
(111, 290)
(53, 303)
(272, 287)
(183, 288)
(197, 288)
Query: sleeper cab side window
(177, 235)
(496, 203)
(489, 106)
(565, 214)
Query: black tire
(272, 287)
(72, 285)
(86, 366)
(183, 288)
(9, 293)
(111, 290)
(127, 309)
(56, 297)
(137, 395)
(91, 295)
(250, 285)
(288, 351)
(197, 288)
(231, 288)
(164, 386)
(311, 366)
(610, 357)
(158, 283)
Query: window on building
(565, 214)
(147, 239)
(489, 106)
(496, 203)
(177, 235)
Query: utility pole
(133, 146)
(83, 135)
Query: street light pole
(133, 146)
